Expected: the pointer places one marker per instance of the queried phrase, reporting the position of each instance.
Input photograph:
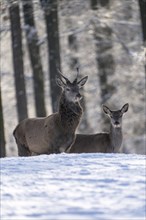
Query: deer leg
(23, 150)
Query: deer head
(71, 89)
(116, 116)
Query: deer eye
(68, 89)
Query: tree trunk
(51, 18)
(105, 60)
(97, 3)
(142, 5)
(18, 60)
(74, 63)
(2, 136)
(34, 52)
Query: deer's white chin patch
(77, 100)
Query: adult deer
(102, 142)
(55, 133)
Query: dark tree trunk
(18, 60)
(34, 52)
(142, 6)
(51, 18)
(74, 63)
(2, 136)
(105, 60)
(95, 4)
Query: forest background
(104, 38)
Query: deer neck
(116, 138)
(70, 113)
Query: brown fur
(55, 133)
(102, 142)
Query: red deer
(55, 133)
(102, 142)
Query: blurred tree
(51, 17)
(2, 136)
(104, 57)
(34, 52)
(97, 3)
(74, 63)
(18, 59)
(142, 5)
(93, 4)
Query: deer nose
(117, 123)
(78, 96)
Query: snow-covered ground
(74, 186)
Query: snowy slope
(71, 186)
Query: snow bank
(71, 186)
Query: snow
(74, 186)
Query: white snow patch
(73, 186)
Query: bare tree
(104, 57)
(2, 136)
(74, 63)
(51, 17)
(34, 52)
(97, 3)
(18, 59)
(142, 5)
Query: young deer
(55, 133)
(102, 142)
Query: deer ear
(82, 82)
(125, 108)
(106, 109)
(59, 82)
